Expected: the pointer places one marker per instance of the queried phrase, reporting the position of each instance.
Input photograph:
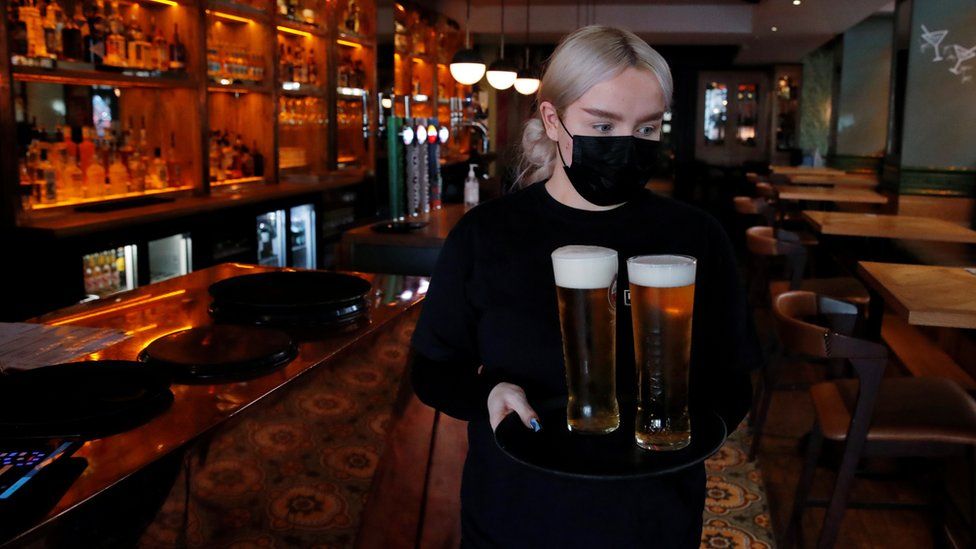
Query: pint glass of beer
(662, 299)
(586, 278)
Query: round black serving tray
(290, 298)
(81, 399)
(399, 227)
(290, 291)
(558, 451)
(224, 352)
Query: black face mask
(609, 170)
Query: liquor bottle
(292, 9)
(282, 8)
(115, 54)
(95, 177)
(72, 178)
(31, 16)
(72, 42)
(137, 47)
(86, 149)
(247, 161)
(137, 172)
(47, 179)
(118, 176)
(158, 172)
(313, 70)
(160, 54)
(213, 158)
(352, 16)
(18, 31)
(51, 35)
(258, 160)
(174, 164)
(177, 51)
(97, 30)
(68, 135)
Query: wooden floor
(780, 459)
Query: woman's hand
(506, 398)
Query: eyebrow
(600, 113)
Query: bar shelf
(93, 77)
(74, 202)
(237, 10)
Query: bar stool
(765, 243)
(871, 415)
(748, 206)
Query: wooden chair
(871, 415)
(841, 317)
(767, 243)
(748, 206)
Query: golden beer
(662, 300)
(586, 292)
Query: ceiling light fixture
(527, 80)
(467, 66)
(774, 29)
(502, 74)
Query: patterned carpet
(736, 512)
(296, 472)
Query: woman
(488, 342)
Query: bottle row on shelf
(75, 164)
(96, 33)
(352, 73)
(234, 62)
(297, 64)
(230, 158)
(301, 111)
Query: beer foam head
(584, 267)
(661, 271)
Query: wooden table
(841, 180)
(158, 309)
(888, 226)
(805, 170)
(925, 295)
(364, 249)
(831, 194)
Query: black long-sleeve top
(490, 315)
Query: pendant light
(467, 67)
(527, 80)
(501, 74)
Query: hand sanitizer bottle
(471, 187)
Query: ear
(550, 119)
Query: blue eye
(603, 128)
(646, 131)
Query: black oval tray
(289, 292)
(558, 451)
(224, 352)
(81, 399)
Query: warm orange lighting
(141, 300)
(166, 2)
(295, 31)
(348, 43)
(173, 331)
(142, 329)
(229, 17)
(418, 60)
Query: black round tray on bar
(81, 399)
(224, 352)
(556, 450)
(290, 298)
(398, 227)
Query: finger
(520, 405)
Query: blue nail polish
(536, 426)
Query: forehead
(634, 92)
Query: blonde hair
(584, 58)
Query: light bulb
(526, 86)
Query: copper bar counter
(200, 411)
